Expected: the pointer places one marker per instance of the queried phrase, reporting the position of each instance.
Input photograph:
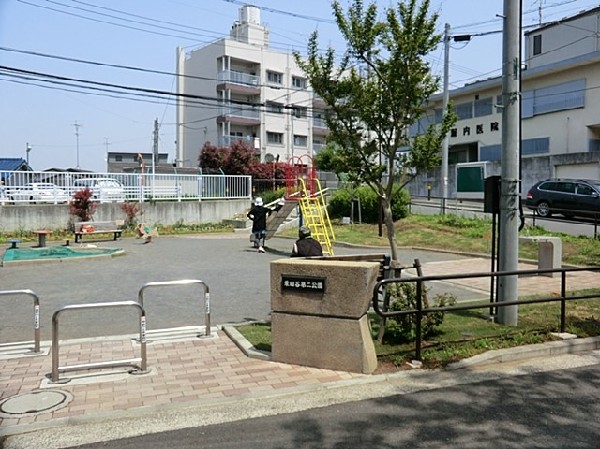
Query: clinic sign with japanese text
(303, 283)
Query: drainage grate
(34, 403)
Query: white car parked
(103, 189)
(39, 192)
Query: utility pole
(27, 151)
(155, 146)
(77, 126)
(106, 144)
(179, 142)
(446, 99)
(509, 192)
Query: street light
(27, 150)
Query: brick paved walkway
(180, 372)
(527, 285)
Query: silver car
(39, 192)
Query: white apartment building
(238, 88)
(560, 104)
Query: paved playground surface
(191, 381)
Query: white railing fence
(58, 187)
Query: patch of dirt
(386, 367)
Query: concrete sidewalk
(198, 381)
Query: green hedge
(340, 204)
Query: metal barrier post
(55, 340)
(36, 313)
(183, 282)
(563, 302)
(419, 319)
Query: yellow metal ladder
(315, 216)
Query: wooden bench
(97, 227)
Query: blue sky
(145, 34)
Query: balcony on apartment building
(239, 114)
(318, 102)
(225, 141)
(238, 82)
(318, 147)
(320, 126)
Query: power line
(283, 12)
(199, 35)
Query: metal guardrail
(419, 312)
(178, 283)
(56, 369)
(36, 313)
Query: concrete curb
(498, 356)
(244, 345)
(547, 349)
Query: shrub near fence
(340, 204)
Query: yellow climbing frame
(315, 216)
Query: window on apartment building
(275, 138)
(300, 141)
(539, 145)
(569, 95)
(421, 126)
(490, 153)
(118, 158)
(274, 108)
(300, 112)
(558, 97)
(483, 106)
(274, 77)
(537, 44)
(298, 83)
(464, 110)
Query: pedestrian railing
(181, 282)
(36, 313)
(57, 369)
(419, 311)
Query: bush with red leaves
(82, 204)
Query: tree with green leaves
(375, 93)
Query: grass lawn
(469, 235)
(467, 333)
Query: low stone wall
(319, 313)
(29, 217)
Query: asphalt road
(555, 409)
(237, 277)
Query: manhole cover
(33, 403)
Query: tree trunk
(389, 226)
(394, 263)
